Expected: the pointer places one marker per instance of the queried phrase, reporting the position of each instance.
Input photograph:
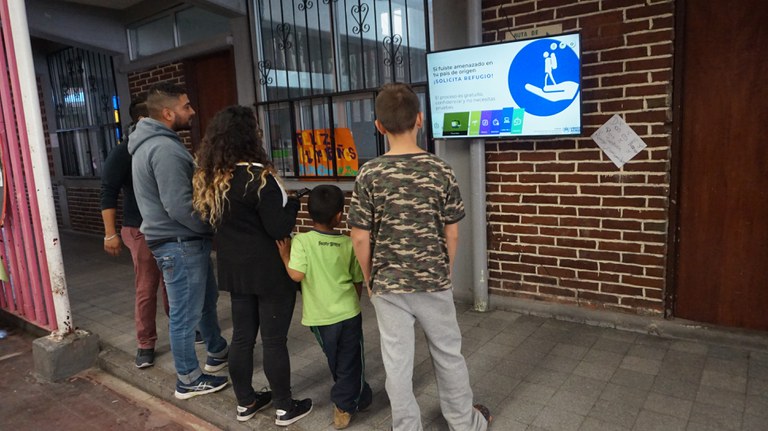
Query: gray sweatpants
(436, 313)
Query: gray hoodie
(162, 181)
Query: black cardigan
(116, 175)
(248, 259)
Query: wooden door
(722, 266)
(212, 85)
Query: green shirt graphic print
(330, 270)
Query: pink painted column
(24, 284)
(38, 220)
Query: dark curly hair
(232, 137)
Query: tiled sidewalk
(534, 373)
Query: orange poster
(316, 155)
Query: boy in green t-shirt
(331, 282)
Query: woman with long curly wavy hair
(237, 191)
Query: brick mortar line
(558, 258)
(577, 290)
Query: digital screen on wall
(521, 88)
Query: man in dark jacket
(178, 238)
(116, 176)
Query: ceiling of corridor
(110, 4)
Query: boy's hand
(284, 246)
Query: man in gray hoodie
(178, 238)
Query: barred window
(87, 109)
(320, 63)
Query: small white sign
(534, 32)
(618, 141)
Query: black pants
(271, 313)
(342, 344)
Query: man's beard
(179, 126)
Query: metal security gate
(30, 264)
(86, 109)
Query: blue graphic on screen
(495, 122)
(506, 120)
(544, 77)
(485, 122)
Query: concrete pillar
(57, 357)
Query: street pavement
(89, 401)
(534, 373)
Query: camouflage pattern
(405, 201)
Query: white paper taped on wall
(618, 141)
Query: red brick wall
(139, 83)
(565, 224)
(304, 221)
(85, 209)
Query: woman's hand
(284, 247)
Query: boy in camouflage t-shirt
(404, 214)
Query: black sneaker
(205, 384)
(145, 358)
(263, 399)
(215, 364)
(199, 338)
(298, 410)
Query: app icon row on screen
(494, 122)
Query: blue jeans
(192, 296)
